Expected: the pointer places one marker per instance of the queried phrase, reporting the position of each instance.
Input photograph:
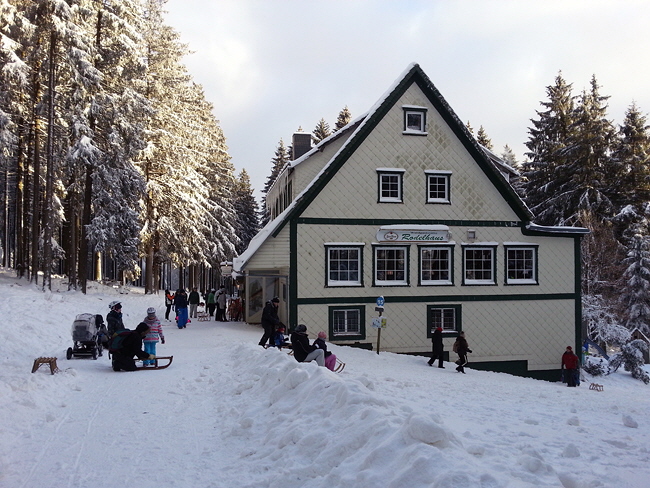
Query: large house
(404, 204)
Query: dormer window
(415, 120)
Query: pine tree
(635, 296)
(279, 161)
(546, 144)
(343, 119)
(582, 179)
(247, 211)
(509, 157)
(631, 358)
(322, 131)
(483, 139)
(469, 128)
(631, 161)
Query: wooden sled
(340, 365)
(157, 365)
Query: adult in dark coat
(131, 346)
(114, 322)
(302, 350)
(180, 304)
(194, 299)
(270, 321)
(437, 347)
(570, 365)
(461, 348)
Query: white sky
(271, 66)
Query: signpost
(379, 322)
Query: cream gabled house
(403, 203)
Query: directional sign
(380, 301)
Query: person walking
(461, 348)
(193, 301)
(221, 304)
(169, 302)
(180, 304)
(211, 302)
(270, 321)
(153, 336)
(437, 347)
(570, 363)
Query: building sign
(404, 235)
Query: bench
(38, 362)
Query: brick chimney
(300, 144)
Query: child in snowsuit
(330, 358)
(461, 348)
(280, 340)
(155, 333)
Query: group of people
(140, 343)
(180, 302)
(303, 351)
(570, 365)
(460, 347)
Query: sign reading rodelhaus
(403, 235)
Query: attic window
(415, 120)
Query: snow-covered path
(228, 413)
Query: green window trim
(335, 313)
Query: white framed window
(344, 265)
(521, 265)
(479, 265)
(391, 266)
(438, 186)
(415, 120)
(448, 317)
(347, 322)
(436, 265)
(390, 185)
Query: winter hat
(151, 311)
(568, 348)
(439, 329)
(275, 300)
(115, 305)
(322, 335)
(142, 327)
(301, 328)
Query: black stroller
(88, 335)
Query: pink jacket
(155, 330)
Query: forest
(111, 156)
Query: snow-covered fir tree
(631, 161)
(635, 295)
(483, 139)
(343, 119)
(547, 142)
(603, 324)
(631, 358)
(246, 210)
(321, 131)
(582, 179)
(278, 162)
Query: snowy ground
(230, 414)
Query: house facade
(403, 204)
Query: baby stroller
(88, 335)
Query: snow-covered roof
(556, 229)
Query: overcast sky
(272, 66)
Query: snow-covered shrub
(596, 366)
(631, 358)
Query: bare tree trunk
(36, 197)
(20, 186)
(48, 208)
